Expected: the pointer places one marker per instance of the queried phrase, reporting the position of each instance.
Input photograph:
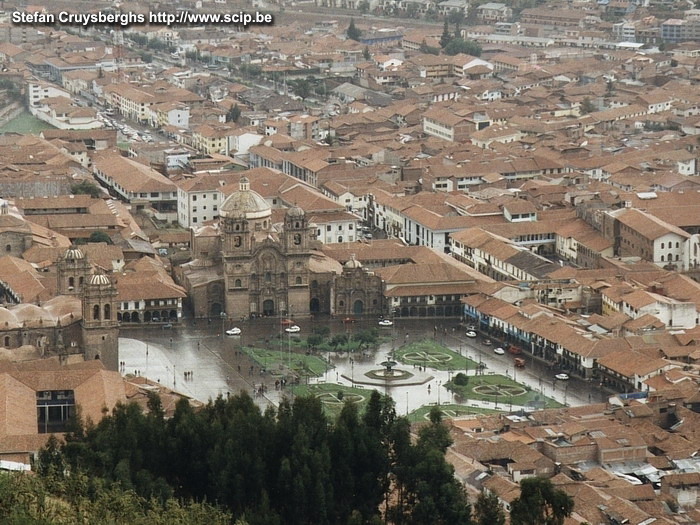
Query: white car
(294, 329)
(499, 351)
(386, 322)
(562, 377)
(471, 333)
(233, 331)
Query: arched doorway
(173, 315)
(215, 309)
(315, 306)
(268, 307)
(146, 317)
(358, 307)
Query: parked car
(562, 377)
(386, 322)
(488, 342)
(294, 329)
(519, 362)
(167, 326)
(498, 350)
(234, 331)
(471, 333)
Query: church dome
(100, 279)
(74, 253)
(353, 263)
(295, 212)
(245, 203)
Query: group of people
(188, 375)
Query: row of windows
(670, 245)
(215, 196)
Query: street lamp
(223, 323)
(352, 372)
(438, 389)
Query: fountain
(389, 374)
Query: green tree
(366, 54)
(302, 88)
(455, 17)
(323, 331)
(99, 237)
(85, 188)
(587, 106)
(233, 114)
(314, 340)
(352, 32)
(446, 36)
(459, 45)
(428, 50)
(339, 340)
(366, 338)
(540, 503)
(488, 510)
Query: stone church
(81, 318)
(260, 261)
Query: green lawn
(433, 355)
(275, 361)
(25, 123)
(449, 411)
(334, 396)
(502, 389)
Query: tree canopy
(285, 466)
(85, 188)
(459, 45)
(540, 503)
(352, 32)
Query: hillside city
(519, 180)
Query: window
(194, 219)
(194, 209)
(215, 196)
(663, 245)
(71, 282)
(297, 280)
(237, 283)
(108, 311)
(7, 341)
(268, 277)
(340, 227)
(96, 312)
(8, 248)
(340, 238)
(55, 408)
(194, 198)
(216, 207)
(328, 228)
(155, 195)
(350, 227)
(678, 245)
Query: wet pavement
(216, 365)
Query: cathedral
(261, 261)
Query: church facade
(252, 267)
